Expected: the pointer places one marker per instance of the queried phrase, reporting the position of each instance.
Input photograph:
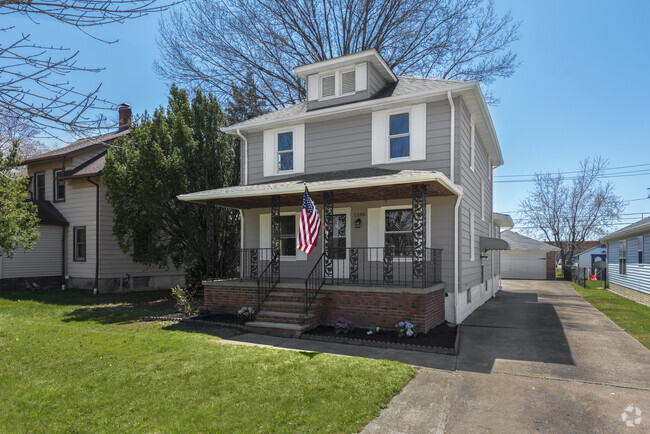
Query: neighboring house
(77, 248)
(400, 169)
(628, 261)
(527, 258)
(588, 258)
(577, 249)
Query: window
(482, 200)
(398, 136)
(339, 239)
(472, 149)
(640, 249)
(59, 186)
(288, 235)
(328, 86)
(469, 295)
(398, 231)
(285, 151)
(472, 236)
(622, 257)
(39, 186)
(79, 243)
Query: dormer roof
(372, 56)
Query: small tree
(18, 220)
(178, 150)
(568, 211)
(245, 102)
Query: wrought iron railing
(242, 264)
(383, 266)
(267, 281)
(314, 282)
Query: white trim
(270, 151)
(324, 186)
(472, 149)
(452, 137)
(361, 77)
(244, 155)
(377, 227)
(265, 235)
(483, 199)
(417, 134)
(313, 87)
(371, 55)
(472, 236)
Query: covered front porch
(376, 248)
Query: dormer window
(399, 136)
(285, 151)
(338, 83)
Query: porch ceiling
(348, 186)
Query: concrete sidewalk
(535, 358)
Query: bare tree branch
(211, 44)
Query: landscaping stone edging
(194, 319)
(380, 344)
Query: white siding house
(628, 261)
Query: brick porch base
(366, 307)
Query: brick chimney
(125, 117)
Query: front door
(341, 243)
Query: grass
(73, 362)
(632, 317)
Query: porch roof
(358, 185)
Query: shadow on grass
(196, 327)
(74, 297)
(118, 313)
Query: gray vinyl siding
(637, 275)
(345, 143)
(375, 81)
(440, 226)
(470, 180)
(44, 260)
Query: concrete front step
(277, 329)
(284, 317)
(289, 296)
(288, 306)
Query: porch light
(357, 223)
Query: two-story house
(77, 248)
(400, 169)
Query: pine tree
(246, 102)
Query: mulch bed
(442, 339)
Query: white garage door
(523, 265)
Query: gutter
(96, 288)
(452, 134)
(245, 154)
(456, 254)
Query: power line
(604, 176)
(576, 171)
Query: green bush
(184, 299)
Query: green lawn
(632, 317)
(75, 363)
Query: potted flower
(343, 325)
(246, 314)
(405, 328)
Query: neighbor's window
(472, 236)
(39, 186)
(469, 295)
(59, 186)
(285, 151)
(640, 248)
(398, 135)
(79, 243)
(398, 232)
(622, 257)
(288, 235)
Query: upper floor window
(39, 186)
(328, 86)
(399, 136)
(59, 186)
(398, 232)
(338, 83)
(285, 151)
(622, 257)
(640, 249)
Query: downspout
(63, 238)
(245, 155)
(456, 286)
(96, 288)
(452, 139)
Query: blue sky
(581, 90)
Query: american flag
(309, 224)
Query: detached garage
(527, 258)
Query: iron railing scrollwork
(314, 282)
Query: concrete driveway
(537, 357)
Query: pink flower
(344, 325)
